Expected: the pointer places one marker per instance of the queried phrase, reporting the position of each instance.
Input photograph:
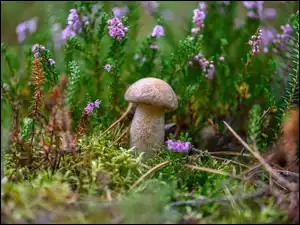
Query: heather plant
(63, 85)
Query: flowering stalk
(254, 42)
(84, 118)
(38, 97)
(117, 30)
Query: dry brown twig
(130, 106)
(254, 152)
(121, 136)
(157, 167)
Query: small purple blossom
(91, 105)
(198, 18)
(120, 11)
(256, 10)
(74, 25)
(107, 67)
(116, 28)
(221, 58)
(36, 55)
(208, 67)
(154, 46)
(22, 28)
(97, 103)
(150, 6)
(52, 62)
(158, 31)
(255, 41)
(178, 146)
(210, 72)
(35, 48)
(89, 108)
(284, 37)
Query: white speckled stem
(147, 128)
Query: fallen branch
(121, 136)
(213, 171)
(157, 167)
(120, 119)
(206, 200)
(254, 152)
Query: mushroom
(153, 97)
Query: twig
(121, 136)
(223, 153)
(230, 160)
(212, 171)
(120, 119)
(280, 179)
(157, 167)
(205, 200)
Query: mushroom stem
(147, 128)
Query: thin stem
(157, 167)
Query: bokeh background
(178, 14)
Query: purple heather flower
(36, 55)
(268, 35)
(255, 41)
(198, 18)
(178, 146)
(154, 46)
(195, 30)
(210, 72)
(32, 24)
(269, 14)
(150, 6)
(256, 10)
(158, 31)
(208, 67)
(97, 103)
(116, 28)
(107, 67)
(74, 25)
(221, 58)
(35, 48)
(29, 26)
(89, 108)
(120, 11)
(202, 6)
(85, 19)
(284, 37)
(52, 62)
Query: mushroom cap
(152, 91)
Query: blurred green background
(15, 12)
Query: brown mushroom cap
(152, 91)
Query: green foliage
(254, 125)
(73, 84)
(99, 179)
(291, 97)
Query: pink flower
(158, 31)
(52, 62)
(107, 67)
(154, 46)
